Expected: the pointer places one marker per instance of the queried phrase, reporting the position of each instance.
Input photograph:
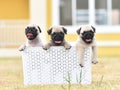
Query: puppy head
(32, 31)
(57, 34)
(86, 32)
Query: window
(77, 12)
(101, 12)
(115, 12)
(82, 16)
(65, 12)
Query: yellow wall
(49, 13)
(112, 51)
(108, 37)
(14, 9)
(99, 37)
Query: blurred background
(104, 15)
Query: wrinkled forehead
(57, 29)
(86, 28)
(32, 27)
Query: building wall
(14, 9)
(14, 16)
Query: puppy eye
(33, 28)
(91, 32)
(53, 33)
(84, 32)
(61, 32)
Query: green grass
(105, 76)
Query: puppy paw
(45, 47)
(21, 48)
(95, 62)
(68, 47)
(81, 65)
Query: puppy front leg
(67, 45)
(22, 47)
(81, 51)
(94, 58)
(46, 46)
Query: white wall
(55, 13)
(38, 15)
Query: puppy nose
(88, 35)
(31, 30)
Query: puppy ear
(26, 28)
(78, 31)
(93, 29)
(39, 29)
(49, 31)
(65, 30)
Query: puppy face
(86, 33)
(57, 35)
(31, 32)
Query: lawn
(105, 76)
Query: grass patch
(105, 76)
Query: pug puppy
(33, 40)
(86, 39)
(57, 34)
